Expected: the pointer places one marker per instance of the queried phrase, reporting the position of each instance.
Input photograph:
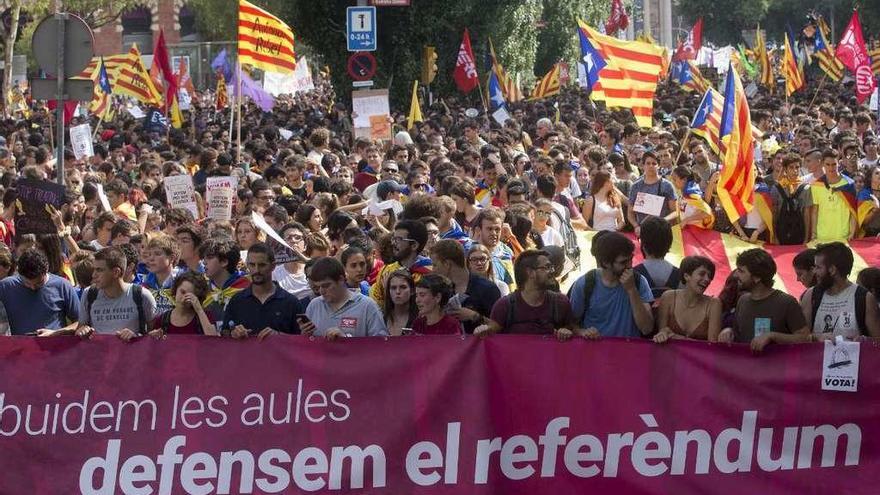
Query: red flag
(618, 19)
(851, 50)
(465, 74)
(69, 108)
(689, 48)
(163, 62)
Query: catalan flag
(688, 75)
(845, 191)
(794, 78)
(264, 41)
(875, 60)
(766, 76)
(509, 87)
(132, 79)
(548, 85)
(764, 205)
(707, 119)
(101, 104)
(866, 205)
(693, 198)
(736, 186)
(828, 62)
(623, 74)
(222, 99)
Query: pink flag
(465, 74)
(851, 50)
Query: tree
(557, 36)
(724, 20)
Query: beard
(825, 281)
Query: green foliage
(557, 38)
(724, 20)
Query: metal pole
(61, 17)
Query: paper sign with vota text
(179, 193)
(81, 141)
(220, 192)
(31, 206)
(840, 366)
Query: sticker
(762, 326)
(349, 323)
(840, 365)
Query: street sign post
(63, 46)
(361, 29)
(362, 66)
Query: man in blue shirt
(36, 301)
(619, 303)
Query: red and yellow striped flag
(875, 60)
(509, 87)
(132, 79)
(794, 78)
(264, 41)
(736, 186)
(828, 62)
(629, 76)
(766, 78)
(548, 85)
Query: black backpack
(589, 285)
(789, 221)
(570, 240)
(136, 293)
(672, 282)
(861, 307)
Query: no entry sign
(361, 66)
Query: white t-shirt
(552, 237)
(837, 314)
(296, 284)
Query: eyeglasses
(420, 186)
(478, 259)
(543, 213)
(294, 238)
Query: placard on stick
(31, 207)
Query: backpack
(137, 293)
(589, 285)
(861, 307)
(570, 240)
(789, 221)
(672, 282)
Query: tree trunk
(10, 47)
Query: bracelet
(64, 232)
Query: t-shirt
(833, 213)
(446, 326)
(28, 310)
(660, 271)
(480, 296)
(610, 311)
(661, 188)
(358, 317)
(191, 328)
(837, 313)
(109, 315)
(533, 320)
(296, 284)
(552, 237)
(778, 312)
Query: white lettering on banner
(465, 59)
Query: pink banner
(508, 415)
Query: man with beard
(614, 300)
(836, 306)
(764, 314)
(533, 309)
(407, 243)
(263, 308)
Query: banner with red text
(424, 415)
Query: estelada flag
(465, 74)
(132, 79)
(736, 186)
(264, 41)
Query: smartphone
(302, 318)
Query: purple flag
(254, 91)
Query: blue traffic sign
(361, 29)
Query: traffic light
(429, 64)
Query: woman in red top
(188, 317)
(432, 293)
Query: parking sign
(361, 29)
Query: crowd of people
(458, 225)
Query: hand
(306, 327)
(55, 215)
(663, 336)
(759, 343)
(592, 334)
(333, 333)
(265, 333)
(482, 331)
(85, 332)
(157, 334)
(45, 332)
(628, 280)
(126, 335)
(506, 232)
(193, 301)
(754, 238)
(563, 334)
(465, 314)
(726, 335)
(239, 332)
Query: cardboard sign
(501, 115)
(81, 141)
(380, 128)
(179, 193)
(31, 207)
(649, 204)
(220, 192)
(284, 253)
(366, 104)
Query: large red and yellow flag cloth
(548, 85)
(736, 186)
(264, 41)
(723, 249)
(623, 74)
(132, 79)
(794, 78)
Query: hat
(402, 138)
(387, 187)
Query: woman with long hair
(400, 308)
(479, 261)
(729, 297)
(688, 313)
(188, 317)
(310, 216)
(247, 234)
(693, 209)
(603, 209)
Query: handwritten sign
(219, 195)
(31, 207)
(179, 193)
(81, 141)
(367, 104)
(284, 253)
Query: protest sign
(462, 416)
(31, 206)
(81, 141)
(277, 84)
(219, 195)
(366, 105)
(102, 197)
(284, 253)
(179, 193)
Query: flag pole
(684, 142)
(238, 104)
(821, 83)
(482, 96)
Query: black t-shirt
(482, 295)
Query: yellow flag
(174, 113)
(264, 41)
(132, 79)
(415, 111)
